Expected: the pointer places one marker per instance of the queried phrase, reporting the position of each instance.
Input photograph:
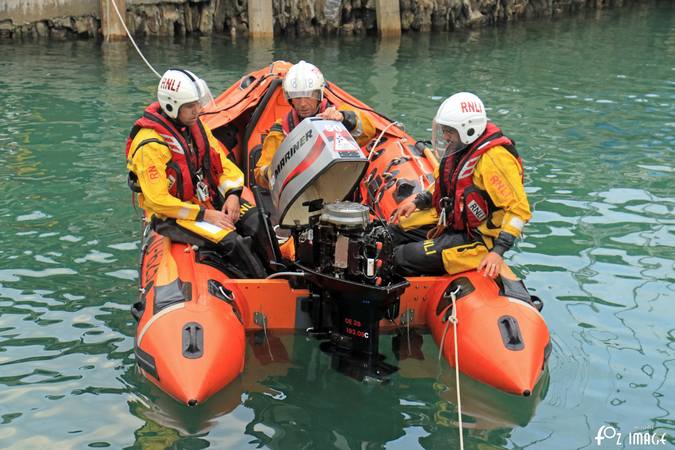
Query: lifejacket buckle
(443, 216)
(202, 191)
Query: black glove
(503, 243)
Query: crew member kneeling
(187, 186)
(477, 207)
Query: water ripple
(593, 125)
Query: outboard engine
(346, 257)
(342, 241)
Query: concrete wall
(22, 12)
(26, 11)
(60, 19)
(67, 18)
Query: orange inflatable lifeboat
(339, 283)
(502, 339)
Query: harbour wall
(64, 19)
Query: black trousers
(242, 247)
(414, 254)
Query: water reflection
(259, 54)
(291, 397)
(115, 57)
(385, 76)
(594, 124)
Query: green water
(590, 101)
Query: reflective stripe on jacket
(166, 166)
(483, 185)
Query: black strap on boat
(465, 288)
(146, 362)
(514, 289)
(221, 292)
(510, 332)
(166, 295)
(193, 340)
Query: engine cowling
(343, 242)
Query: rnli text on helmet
(291, 151)
(470, 107)
(169, 84)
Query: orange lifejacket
(466, 206)
(292, 119)
(187, 166)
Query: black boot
(250, 225)
(237, 252)
(249, 259)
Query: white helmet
(303, 80)
(464, 112)
(178, 87)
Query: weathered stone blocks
(294, 17)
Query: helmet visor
(315, 94)
(445, 140)
(204, 96)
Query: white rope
(224, 294)
(377, 141)
(285, 274)
(453, 318)
(119, 16)
(267, 341)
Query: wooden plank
(388, 17)
(260, 20)
(111, 27)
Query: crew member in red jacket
(477, 207)
(189, 189)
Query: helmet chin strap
(175, 121)
(459, 148)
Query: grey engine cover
(318, 159)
